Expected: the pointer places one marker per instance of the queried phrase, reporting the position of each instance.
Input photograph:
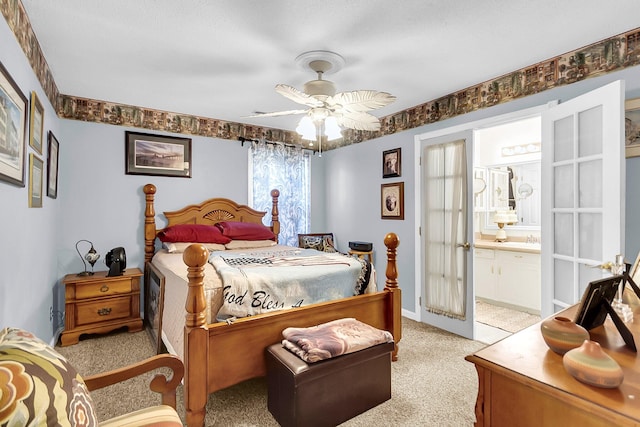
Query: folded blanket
(332, 339)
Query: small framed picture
(391, 163)
(36, 123)
(14, 113)
(632, 127)
(392, 200)
(154, 304)
(36, 169)
(52, 166)
(147, 154)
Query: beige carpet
(432, 384)
(504, 318)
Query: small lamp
(501, 218)
(91, 256)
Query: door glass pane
(587, 274)
(590, 132)
(563, 186)
(590, 245)
(590, 178)
(562, 281)
(563, 233)
(563, 137)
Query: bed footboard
(220, 355)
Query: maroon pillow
(245, 231)
(200, 233)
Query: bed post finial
(149, 222)
(391, 241)
(275, 222)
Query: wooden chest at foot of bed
(328, 392)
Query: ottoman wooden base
(328, 392)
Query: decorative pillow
(193, 233)
(179, 247)
(245, 230)
(38, 386)
(319, 243)
(249, 244)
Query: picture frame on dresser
(154, 284)
(159, 155)
(36, 123)
(632, 127)
(36, 170)
(52, 166)
(392, 200)
(12, 149)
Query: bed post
(275, 222)
(391, 241)
(196, 337)
(149, 222)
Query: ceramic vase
(562, 334)
(591, 365)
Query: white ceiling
(221, 59)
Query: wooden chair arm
(159, 383)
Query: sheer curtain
(286, 168)
(445, 228)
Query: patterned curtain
(287, 169)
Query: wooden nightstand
(362, 254)
(98, 304)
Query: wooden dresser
(97, 304)
(522, 382)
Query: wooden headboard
(209, 212)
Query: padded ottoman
(328, 392)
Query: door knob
(466, 245)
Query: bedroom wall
(354, 176)
(28, 236)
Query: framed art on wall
(52, 166)
(392, 200)
(12, 142)
(159, 155)
(36, 169)
(632, 127)
(391, 163)
(154, 304)
(36, 123)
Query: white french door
(583, 169)
(447, 299)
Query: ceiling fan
(325, 105)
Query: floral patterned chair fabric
(38, 387)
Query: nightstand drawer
(100, 311)
(112, 287)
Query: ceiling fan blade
(278, 113)
(297, 96)
(361, 100)
(358, 120)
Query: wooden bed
(219, 355)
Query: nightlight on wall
(502, 218)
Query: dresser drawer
(100, 311)
(102, 289)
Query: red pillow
(200, 233)
(245, 231)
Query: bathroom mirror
(516, 186)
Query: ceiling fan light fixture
(331, 129)
(306, 129)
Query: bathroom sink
(518, 245)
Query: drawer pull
(104, 311)
(104, 288)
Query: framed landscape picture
(52, 166)
(632, 127)
(392, 200)
(12, 144)
(36, 123)
(36, 169)
(159, 155)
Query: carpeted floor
(504, 318)
(432, 384)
